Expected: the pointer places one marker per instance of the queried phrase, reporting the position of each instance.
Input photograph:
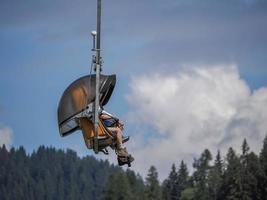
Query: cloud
(188, 111)
(6, 136)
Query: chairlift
(80, 104)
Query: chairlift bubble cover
(78, 96)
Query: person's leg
(119, 134)
(119, 138)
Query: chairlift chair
(76, 110)
(79, 104)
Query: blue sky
(45, 45)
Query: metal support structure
(97, 71)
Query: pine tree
(188, 194)
(3, 154)
(232, 177)
(245, 174)
(136, 185)
(56, 174)
(152, 188)
(117, 188)
(165, 190)
(263, 177)
(52, 174)
(5, 170)
(182, 179)
(255, 173)
(215, 178)
(170, 186)
(201, 175)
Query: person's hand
(121, 125)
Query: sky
(190, 74)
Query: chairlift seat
(105, 136)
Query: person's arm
(106, 115)
(121, 125)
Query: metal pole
(98, 31)
(97, 70)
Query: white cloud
(188, 111)
(6, 136)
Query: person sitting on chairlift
(116, 127)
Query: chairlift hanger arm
(98, 32)
(97, 70)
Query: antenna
(97, 61)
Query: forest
(53, 174)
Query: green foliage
(118, 187)
(232, 177)
(56, 174)
(51, 174)
(170, 185)
(136, 183)
(176, 182)
(254, 176)
(201, 175)
(152, 187)
(215, 177)
(188, 194)
(248, 180)
(183, 178)
(263, 177)
(121, 185)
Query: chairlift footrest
(105, 151)
(125, 139)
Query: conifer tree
(188, 194)
(249, 174)
(232, 177)
(182, 179)
(170, 186)
(136, 184)
(56, 174)
(165, 189)
(255, 174)
(215, 178)
(152, 188)
(263, 177)
(117, 188)
(245, 175)
(201, 175)
(52, 174)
